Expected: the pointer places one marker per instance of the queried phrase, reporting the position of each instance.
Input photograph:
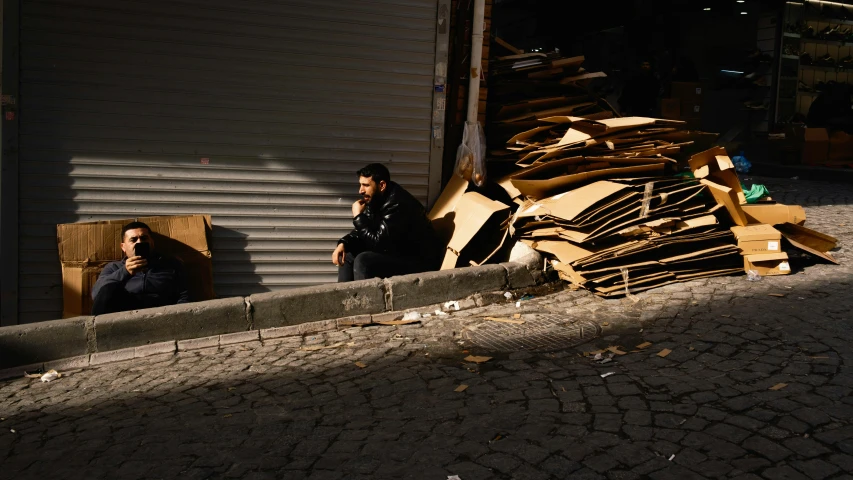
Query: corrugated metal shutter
(122, 100)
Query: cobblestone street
(387, 402)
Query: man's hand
(339, 254)
(358, 207)
(135, 264)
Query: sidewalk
(387, 401)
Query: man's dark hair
(375, 171)
(133, 226)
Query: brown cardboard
(815, 146)
(809, 240)
(670, 108)
(774, 214)
(541, 188)
(687, 91)
(760, 238)
(767, 264)
(473, 211)
(441, 213)
(86, 248)
(716, 166)
(840, 147)
(728, 198)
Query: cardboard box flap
(809, 240)
(767, 257)
(728, 198)
(180, 236)
(703, 163)
(472, 212)
(565, 252)
(96, 242)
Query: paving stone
(766, 448)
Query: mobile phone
(142, 249)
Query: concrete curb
(82, 341)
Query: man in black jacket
(392, 234)
(142, 279)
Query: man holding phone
(142, 279)
(392, 235)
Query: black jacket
(396, 224)
(164, 283)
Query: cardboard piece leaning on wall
(473, 211)
(86, 248)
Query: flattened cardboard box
(86, 248)
(753, 239)
(767, 264)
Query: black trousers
(379, 265)
(114, 298)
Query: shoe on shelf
(806, 59)
(803, 87)
(825, 61)
(846, 62)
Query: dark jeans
(114, 298)
(379, 265)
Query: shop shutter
(256, 112)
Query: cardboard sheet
(472, 212)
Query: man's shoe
(806, 59)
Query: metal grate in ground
(540, 332)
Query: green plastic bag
(755, 192)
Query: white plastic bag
(471, 155)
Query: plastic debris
(454, 305)
(411, 316)
(50, 376)
(518, 304)
(605, 375)
(453, 477)
(597, 356)
(755, 193)
(742, 165)
(672, 457)
(440, 313)
(507, 295)
(753, 275)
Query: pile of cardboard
(609, 205)
(526, 88)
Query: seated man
(392, 234)
(142, 279)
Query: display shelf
(792, 35)
(825, 69)
(821, 41)
(791, 57)
(836, 21)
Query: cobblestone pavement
(383, 402)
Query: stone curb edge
(82, 341)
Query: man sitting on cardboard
(392, 234)
(142, 279)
